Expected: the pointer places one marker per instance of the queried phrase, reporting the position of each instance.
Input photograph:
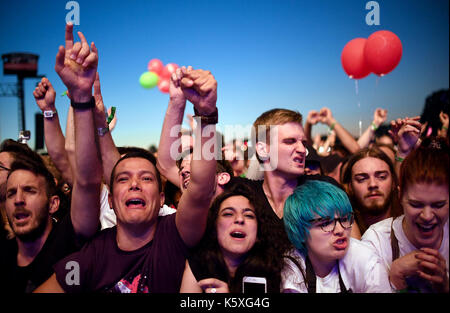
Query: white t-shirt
(108, 217)
(378, 235)
(361, 271)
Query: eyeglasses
(4, 168)
(328, 225)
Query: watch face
(48, 114)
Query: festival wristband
(374, 126)
(111, 116)
(332, 126)
(83, 105)
(212, 118)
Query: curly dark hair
(265, 258)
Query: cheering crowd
(329, 214)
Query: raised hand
(313, 117)
(379, 116)
(200, 88)
(175, 92)
(44, 94)
(406, 133)
(326, 117)
(76, 65)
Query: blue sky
(264, 54)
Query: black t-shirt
(157, 267)
(17, 279)
(257, 187)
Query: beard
(375, 208)
(39, 225)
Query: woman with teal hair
(318, 218)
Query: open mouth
(426, 228)
(299, 161)
(341, 243)
(135, 202)
(237, 234)
(21, 216)
(186, 183)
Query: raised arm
(110, 154)
(200, 88)
(379, 117)
(170, 139)
(44, 94)
(76, 65)
(312, 119)
(346, 138)
(406, 133)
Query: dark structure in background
(24, 65)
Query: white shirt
(378, 235)
(108, 217)
(361, 271)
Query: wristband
(83, 105)
(332, 126)
(399, 159)
(374, 126)
(444, 127)
(102, 131)
(212, 118)
(111, 117)
(49, 113)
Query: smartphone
(252, 284)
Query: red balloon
(156, 66)
(163, 85)
(383, 52)
(352, 59)
(168, 70)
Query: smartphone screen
(254, 285)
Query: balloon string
(359, 108)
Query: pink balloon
(168, 70)
(383, 52)
(352, 59)
(156, 66)
(163, 85)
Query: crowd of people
(329, 214)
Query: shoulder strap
(394, 243)
(341, 282)
(310, 276)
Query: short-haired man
(27, 260)
(10, 150)
(146, 252)
(371, 183)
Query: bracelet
(399, 159)
(49, 113)
(373, 126)
(83, 105)
(444, 127)
(102, 131)
(212, 118)
(332, 126)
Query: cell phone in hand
(254, 285)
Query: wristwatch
(102, 131)
(49, 113)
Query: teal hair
(309, 200)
